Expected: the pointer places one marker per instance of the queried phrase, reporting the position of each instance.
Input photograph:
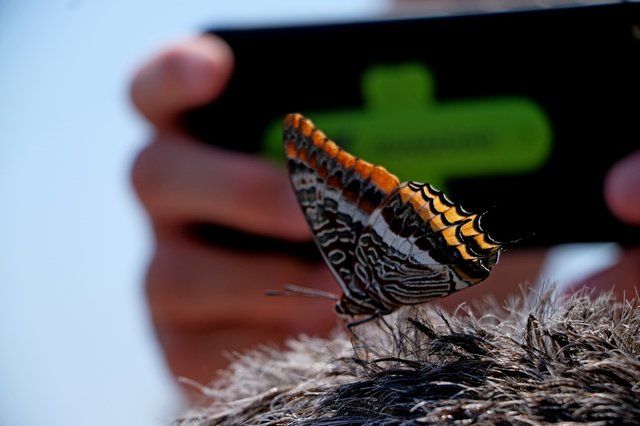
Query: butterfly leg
(353, 324)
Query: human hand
(206, 299)
(622, 194)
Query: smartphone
(517, 112)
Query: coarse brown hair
(542, 361)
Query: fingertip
(622, 189)
(179, 180)
(180, 78)
(269, 193)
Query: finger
(179, 180)
(181, 78)
(201, 289)
(622, 189)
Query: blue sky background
(75, 343)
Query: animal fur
(542, 362)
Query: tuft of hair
(544, 360)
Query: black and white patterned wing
(419, 246)
(337, 193)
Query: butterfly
(387, 243)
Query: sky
(76, 346)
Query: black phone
(519, 113)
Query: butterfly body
(387, 243)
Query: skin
(205, 300)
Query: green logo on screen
(403, 128)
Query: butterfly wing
(337, 192)
(387, 244)
(420, 246)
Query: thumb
(181, 78)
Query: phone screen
(516, 113)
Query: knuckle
(146, 174)
(259, 187)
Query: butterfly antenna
(294, 290)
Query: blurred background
(76, 344)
